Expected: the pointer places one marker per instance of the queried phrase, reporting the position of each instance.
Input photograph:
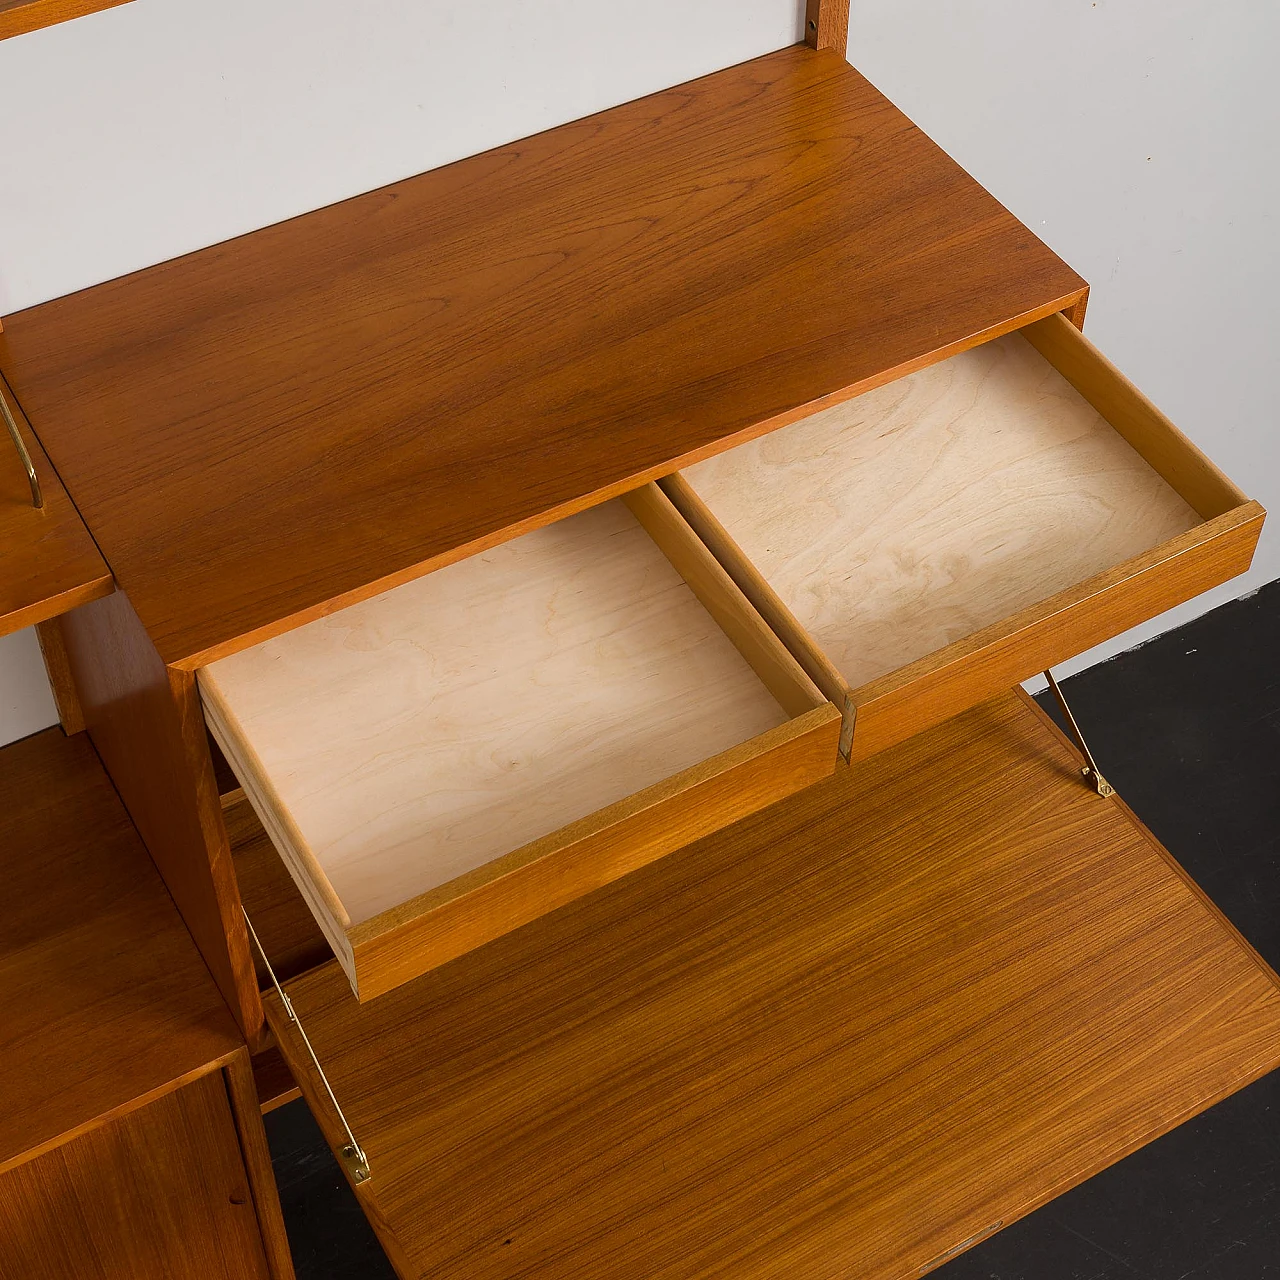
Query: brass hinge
(1090, 773)
(351, 1153)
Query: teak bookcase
(567, 608)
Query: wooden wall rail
(826, 25)
(17, 17)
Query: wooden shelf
(322, 409)
(104, 1000)
(49, 563)
(842, 1038)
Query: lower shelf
(850, 1035)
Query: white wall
(164, 125)
(148, 130)
(1141, 140)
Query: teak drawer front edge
(1214, 543)
(436, 865)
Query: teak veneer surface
(48, 561)
(314, 412)
(920, 512)
(412, 738)
(159, 1194)
(840, 1038)
(147, 726)
(103, 997)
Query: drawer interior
(418, 748)
(882, 534)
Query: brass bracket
(1090, 772)
(37, 498)
(351, 1153)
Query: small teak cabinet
(569, 602)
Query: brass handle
(37, 498)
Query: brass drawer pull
(37, 498)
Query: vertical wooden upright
(826, 25)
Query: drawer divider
(352, 1153)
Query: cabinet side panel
(243, 1095)
(148, 729)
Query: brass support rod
(1090, 772)
(352, 1154)
(37, 498)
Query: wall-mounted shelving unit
(838, 964)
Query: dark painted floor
(1187, 729)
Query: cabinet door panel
(160, 1193)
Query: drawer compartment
(936, 540)
(450, 760)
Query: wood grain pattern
(272, 1080)
(1076, 313)
(415, 737)
(720, 596)
(17, 17)
(104, 1001)
(306, 416)
(416, 747)
(1129, 412)
(760, 1057)
(158, 1195)
(826, 25)
(146, 724)
(755, 587)
(921, 512)
(57, 666)
(241, 1081)
(940, 684)
(437, 927)
(285, 924)
(48, 561)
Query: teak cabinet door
(158, 1194)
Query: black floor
(1187, 728)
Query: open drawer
(451, 760)
(929, 543)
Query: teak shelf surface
(103, 997)
(314, 412)
(842, 1038)
(48, 561)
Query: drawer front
(929, 544)
(448, 762)
(759, 1056)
